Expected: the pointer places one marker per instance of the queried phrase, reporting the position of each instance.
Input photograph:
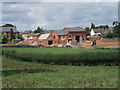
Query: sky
(57, 15)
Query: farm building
(75, 34)
(62, 37)
(27, 34)
(67, 36)
(34, 39)
(7, 31)
(99, 32)
(48, 38)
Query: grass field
(20, 74)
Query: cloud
(60, 0)
(54, 15)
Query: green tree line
(115, 27)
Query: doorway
(50, 42)
(77, 38)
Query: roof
(30, 38)
(102, 31)
(61, 32)
(47, 31)
(74, 29)
(8, 29)
(27, 31)
(36, 34)
(44, 36)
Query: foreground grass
(19, 74)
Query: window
(63, 36)
(69, 35)
(54, 36)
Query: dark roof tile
(61, 32)
(102, 31)
(8, 29)
(74, 29)
(36, 34)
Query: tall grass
(65, 55)
(19, 74)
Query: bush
(4, 39)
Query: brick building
(7, 31)
(71, 35)
(47, 39)
(27, 34)
(67, 36)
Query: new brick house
(76, 33)
(67, 36)
(47, 39)
(34, 39)
(62, 37)
(26, 34)
(71, 35)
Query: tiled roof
(36, 34)
(44, 36)
(47, 31)
(61, 32)
(102, 31)
(8, 29)
(74, 29)
(27, 31)
(30, 38)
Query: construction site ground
(102, 43)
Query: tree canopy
(4, 38)
(116, 29)
(8, 25)
(12, 36)
(92, 26)
(87, 29)
(39, 30)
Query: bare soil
(103, 43)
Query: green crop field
(26, 68)
(20, 74)
(63, 56)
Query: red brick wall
(62, 39)
(53, 36)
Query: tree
(12, 36)
(92, 26)
(107, 27)
(102, 27)
(8, 25)
(4, 38)
(39, 30)
(116, 29)
(87, 29)
(19, 36)
(115, 23)
(110, 35)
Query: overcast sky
(56, 15)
